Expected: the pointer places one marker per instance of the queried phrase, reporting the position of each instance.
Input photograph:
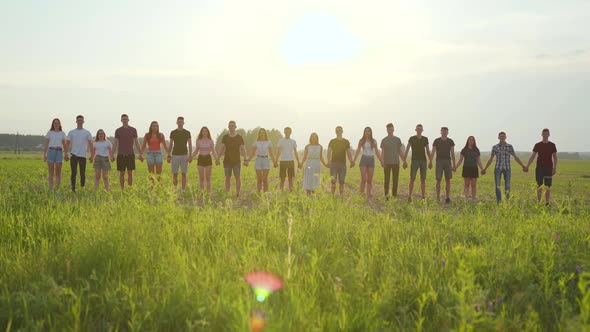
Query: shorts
(154, 157)
(125, 162)
(262, 163)
(102, 163)
(367, 161)
(287, 168)
(443, 165)
(179, 162)
(338, 172)
(418, 164)
(229, 168)
(55, 155)
(471, 172)
(204, 160)
(544, 175)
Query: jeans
(74, 161)
(388, 170)
(498, 179)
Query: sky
(477, 67)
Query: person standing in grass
(471, 155)
(444, 149)
(420, 150)
(502, 151)
(288, 155)
(154, 141)
(181, 156)
(79, 142)
(102, 154)
(391, 152)
(368, 145)
(232, 144)
(55, 143)
(338, 150)
(262, 149)
(125, 139)
(546, 165)
(204, 148)
(312, 156)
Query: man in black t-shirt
(179, 138)
(420, 150)
(546, 153)
(338, 149)
(232, 145)
(444, 148)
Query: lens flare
(263, 283)
(257, 320)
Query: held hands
(483, 171)
(66, 157)
(217, 162)
(169, 159)
(554, 171)
(525, 169)
(405, 164)
(141, 158)
(430, 165)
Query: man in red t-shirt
(546, 165)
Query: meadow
(153, 259)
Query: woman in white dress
(262, 149)
(312, 156)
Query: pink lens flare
(263, 283)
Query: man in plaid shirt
(503, 151)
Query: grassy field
(153, 259)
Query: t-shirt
(79, 139)
(180, 139)
(339, 148)
(391, 147)
(153, 142)
(470, 156)
(418, 145)
(287, 145)
(545, 152)
(232, 149)
(102, 148)
(262, 147)
(126, 136)
(56, 138)
(443, 148)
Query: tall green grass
(153, 259)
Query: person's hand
(190, 159)
(300, 165)
(276, 165)
(91, 160)
(217, 162)
(430, 165)
(66, 157)
(454, 169)
(44, 157)
(525, 169)
(141, 158)
(112, 158)
(554, 171)
(169, 159)
(351, 164)
(405, 164)
(483, 171)
(382, 165)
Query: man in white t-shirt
(79, 143)
(287, 153)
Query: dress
(311, 174)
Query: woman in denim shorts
(102, 154)
(368, 145)
(262, 149)
(55, 142)
(154, 141)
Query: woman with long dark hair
(368, 146)
(55, 142)
(154, 141)
(205, 148)
(262, 149)
(471, 155)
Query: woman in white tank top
(368, 146)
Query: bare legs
(205, 178)
(470, 183)
(105, 179)
(122, 178)
(54, 171)
(367, 180)
(262, 180)
(447, 188)
(540, 194)
(175, 180)
(422, 188)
